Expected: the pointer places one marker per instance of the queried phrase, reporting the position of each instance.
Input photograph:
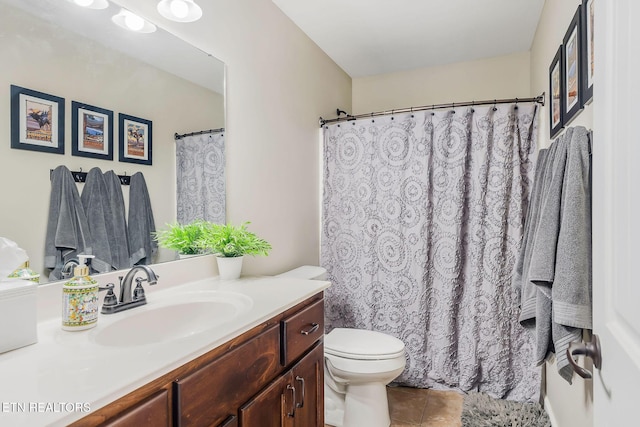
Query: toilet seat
(360, 344)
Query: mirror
(58, 48)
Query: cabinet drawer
(300, 331)
(153, 411)
(211, 394)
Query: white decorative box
(18, 314)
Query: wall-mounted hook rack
(79, 176)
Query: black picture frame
(556, 94)
(135, 139)
(91, 131)
(37, 121)
(571, 75)
(587, 43)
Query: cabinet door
(214, 392)
(308, 380)
(274, 406)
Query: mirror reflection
(58, 48)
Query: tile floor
(425, 408)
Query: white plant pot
(187, 256)
(229, 267)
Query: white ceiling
(369, 37)
(160, 49)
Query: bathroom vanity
(272, 375)
(245, 352)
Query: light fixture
(180, 10)
(91, 4)
(132, 22)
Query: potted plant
(230, 243)
(183, 238)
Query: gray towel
(95, 201)
(141, 224)
(526, 290)
(571, 292)
(536, 300)
(67, 228)
(117, 223)
(553, 268)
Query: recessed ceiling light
(132, 22)
(180, 10)
(91, 4)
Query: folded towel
(117, 223)
(67, 227)
(141, 224)
(95, 201)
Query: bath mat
(480, 410)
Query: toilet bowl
(358, 366)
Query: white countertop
(65, 374)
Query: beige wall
(48, 59)
(278, 84)
(569, 405)
(500, 77)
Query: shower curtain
(422, 218)
(200, 178)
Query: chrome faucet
(128, 298)
(67, 269)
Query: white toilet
(358, 365)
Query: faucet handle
(138, 292)
(110, 298)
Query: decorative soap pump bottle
(80, 299)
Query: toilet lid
(362, 344)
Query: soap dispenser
(80, 299)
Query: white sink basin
(169, 319)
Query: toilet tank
(311, 272)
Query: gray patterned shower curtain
(422, 218)
(200, 178)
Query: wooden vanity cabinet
(272, 375)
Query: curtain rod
(539, 99)
(177, 136)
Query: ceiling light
(91, 4)
(180, 10)
(132, 22)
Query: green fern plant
(232, 241)
(183, 238)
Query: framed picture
(587, 43)
(91, 131)
(556, 91)
(37, 121)
(135, 139)
(571, 76)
